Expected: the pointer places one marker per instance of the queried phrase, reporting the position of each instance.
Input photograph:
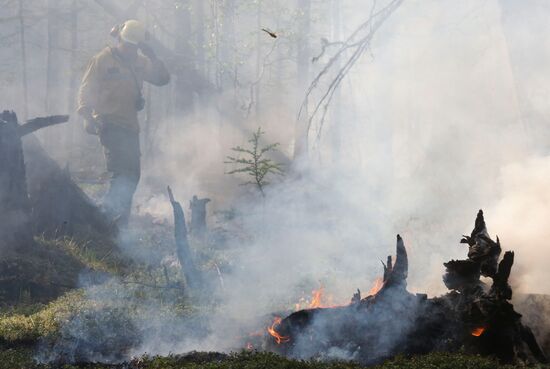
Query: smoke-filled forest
(219, 183)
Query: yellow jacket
(111, 90)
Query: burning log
(185, 256)
(393, 321)
(360, 327)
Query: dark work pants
(122, 156)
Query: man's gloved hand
(147, 51)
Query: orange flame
(318, 300)
(476, 332)
(378, 284)
(278, 338)
(317, 296)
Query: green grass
(22, 326)
(26, 324)
(16, 359)
(21, 359)
(101, 256)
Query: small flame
(318, 300)
(249, 346)
(378, 284)
(476, 332)
(317, 296)
(278, 338)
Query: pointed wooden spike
(401, 267)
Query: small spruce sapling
(254, 163)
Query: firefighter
(109, 100)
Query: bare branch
(373, 23)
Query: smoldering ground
(432, 126)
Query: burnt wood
(393, 321)
(41, 122)
(183, 250)
(14, 200)
(198, 216)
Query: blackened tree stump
(14, 201)
(393, 321)
(198, 217)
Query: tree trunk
(228, 43)
(25, 266)
(303, 50)
(200, 31)
(73, 81)
(198, 217)
(257, 87)
(15, 230)
(14, 201)
(336, 121)
(184, 88)
(49, 56)
(23, 61)
(303, 58)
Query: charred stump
(15, 203)
(393, 321)
(39, 195)
(14, 200)
(25, 267)
(368, 330)
(183, 250)
(198, 217)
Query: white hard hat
(132, 31)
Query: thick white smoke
(431, 125)
(520, 218)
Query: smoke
(519, 218)
(112, 320)
(431, 140)
(430, 126)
